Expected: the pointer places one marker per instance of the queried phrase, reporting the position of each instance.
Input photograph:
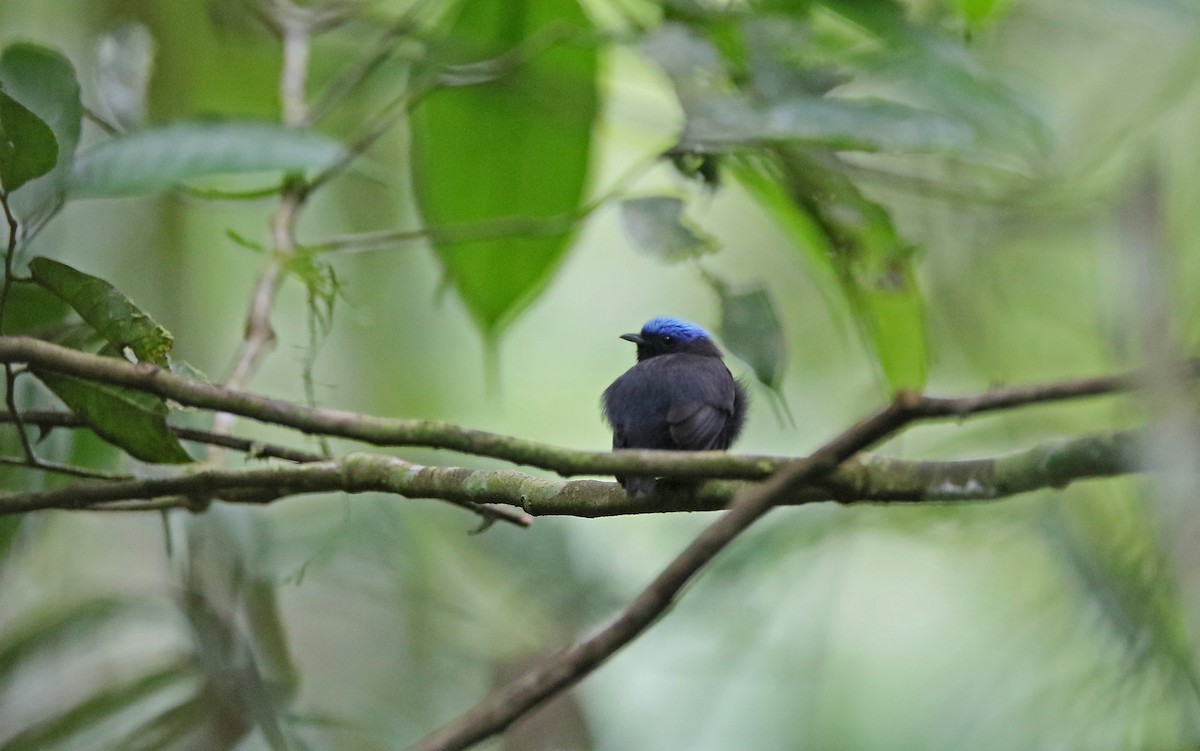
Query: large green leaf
(158, 158)
(134, 421)
(43, 80)
(27, 145)
(109, 311)
(514, 145)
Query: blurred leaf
(109, 311)
(717, 122)
(977, 11)
(27, 145)
(155, 159)
(691, 61)
(10, 527)
(68, 725)
(51, 628)
(185, 726)
(657, 227)
(132, 420)
(751, 329)
(516, 145)
(852, 239)
(1112, 550)
(233, 613)
(937, 72)
(44, 81)
(716, 119)
(30, 308)
(124, 62)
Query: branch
(866, 478)
(48, 419)
(380, 431)
(505, 705)
(354, 473)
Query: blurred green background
(1054, 620)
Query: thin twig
(354, 473)
(62, 469)
(487, 229)
(259, 336)
(387, 118)
(353, 77)
(10, 377)
(256, 449)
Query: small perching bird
(679, 396)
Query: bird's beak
(635, 338)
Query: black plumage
(679, 396)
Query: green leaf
(158, 158)
(9, 527)
(30, 308)
(852, 240)
(131, 420)
(27, 145)
(515, 145)
(751, 329)
(44, 81)
(656, 226)
(109, 311)
(977, 11)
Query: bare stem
(259, 336)
(10, 376)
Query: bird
(679, 396)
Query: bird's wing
(696, 426)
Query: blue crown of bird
(679, 396)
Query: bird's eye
(668, 340)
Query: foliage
(859, 197)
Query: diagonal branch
(504, 706)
